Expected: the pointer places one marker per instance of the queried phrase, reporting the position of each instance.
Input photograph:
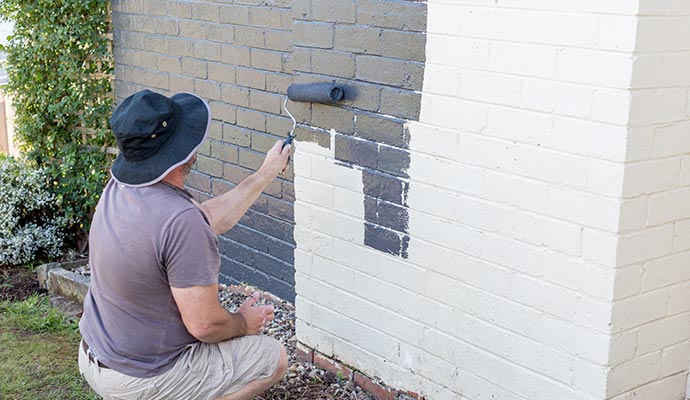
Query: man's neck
(176, 179)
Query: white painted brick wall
(549, 212)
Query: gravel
(303, 380)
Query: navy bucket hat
(156, 134)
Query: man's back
(142, 242)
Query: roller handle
(287, 141)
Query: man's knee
(282, 365)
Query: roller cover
(322, 92)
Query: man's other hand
(255, 317)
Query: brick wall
(237, 56)
(544, 197)
(651, 318)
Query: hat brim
(189, 133)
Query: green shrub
(28, 227)
(58, 67)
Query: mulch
(18, 283)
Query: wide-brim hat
(155, 134)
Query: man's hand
(276, 160)
(255, 317)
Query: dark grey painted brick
(390, 71)
(380, 129)
(384, 187)
(356, 151)
(393, 161)
(382, 239)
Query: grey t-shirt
(142, 242)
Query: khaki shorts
(203, 371)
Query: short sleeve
(190, 251)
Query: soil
(18, 283)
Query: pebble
(303, 380)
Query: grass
(38, 353)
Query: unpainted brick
(358, 39)
(301, 9)
(251, 119)
(332, 117)
(236, 95)
(405, 45)
(151, 42)
(210, 51)
(152, 7)
(275, 267)
(180, 47)
(390, 71)
(278, 125)
(401, 103)
(250, 159)
(199, 181)
(333, 63)
(300, 59)
(181, 84)
(264, 101)
(251, 78)
(234, 14)
(221, 72)
(192, 29)
(223, 112)
(249, 36)
(219, 187)
(194, 68)
(235, 173)
(361, 95)
(342, 11)
(266, 59)
(178, 9)
(169, 64)
(236, 135)
(128, 6)
(208, 90)
(265, 17)
(400, 15)
(236, 55)
(158, 25)
(262, 142)
(205, 12)
(147, 78)
(313, 34)
(288, 193)
(222, 33)
(209, 166)
(380, 129)
(280, 209)
(215, 132)
(205, 148)
(278, 83)
(356, 151)
(277, 40)
(224, 152)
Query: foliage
(58, 66)
(28, 226)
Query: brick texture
(236, 56)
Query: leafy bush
(28, 226)
(59, 69)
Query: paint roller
(319, 92)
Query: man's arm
(225, 210)
(209, 322)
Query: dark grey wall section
(241, 55)
(375, 49)
(236, 55)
